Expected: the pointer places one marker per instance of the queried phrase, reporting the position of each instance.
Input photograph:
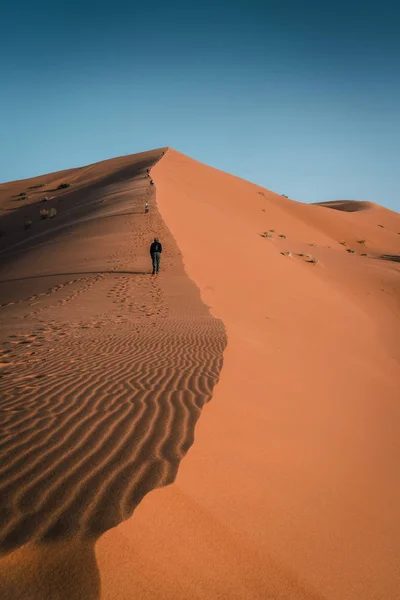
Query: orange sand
(290, 489)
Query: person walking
(146, 207)
(155, 253)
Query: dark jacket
(155, 247)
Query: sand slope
(291, 489)
(104, 372)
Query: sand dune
(291, 488)
(104, 370)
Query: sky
(302, 98)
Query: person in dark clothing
(155, 253)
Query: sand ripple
(82, 444)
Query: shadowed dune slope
(86, 212)
(292, 488)
(346, 205)
(104, 370)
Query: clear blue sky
(300, 97)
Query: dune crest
(289, 491)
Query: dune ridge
(291, 487)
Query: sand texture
(104, 372)
(285, 315)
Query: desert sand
(275, 321)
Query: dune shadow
(79, 203)
(96, 415)
(345, 205)
(390, 257)
(66, 571)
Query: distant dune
(286, 315)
